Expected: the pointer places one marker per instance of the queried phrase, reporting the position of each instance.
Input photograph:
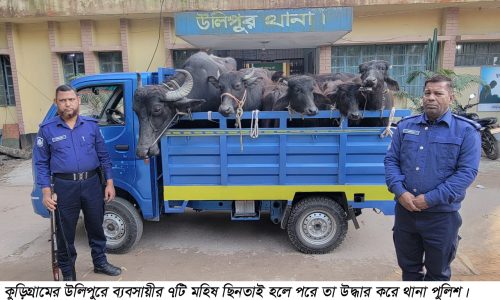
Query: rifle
(53, 243)
(53, 246)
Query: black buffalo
(296, 94)
(243, 88)
(348, 99)
(189, 90)
(372, 93)
(299, 94)
(376, 90)
(321, 79)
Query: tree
(461, 82)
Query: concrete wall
(34, 72)
(143, 36)
(70, 8)
(3, 37)
(394, 27)
(89, 26)
(7, 115)
(107, 33)
(68, 34)
(480, 21)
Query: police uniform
(440, 160)
(71, 157)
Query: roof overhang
(271, 29)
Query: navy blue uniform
(439, 160)
(61, 150)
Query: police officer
(431, 161)
(70, 149)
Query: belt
(76, 176)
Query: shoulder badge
(39, 142)
(472, 122)
(49, 121)
(409, 118)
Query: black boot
(68, 278)
(108, 269)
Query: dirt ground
(8, 164)
(209, 246)
(482, 226)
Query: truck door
(104, 101)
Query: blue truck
(308, 180)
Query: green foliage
(461, 82)
(73, 77)
(431, 57)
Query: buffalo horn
(184, 90)
(249, 75)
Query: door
(105, 102)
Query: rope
(254, 124)
(387, 131)
(364, 108)
(172, 121)
(239, 112)
(341, 125)
(332, 108)
(239, 103)
(291, 111)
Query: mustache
(68, 112)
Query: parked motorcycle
(488, 128)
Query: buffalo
(241, 89)
(375, 73)
(298, 93)
(374, 92)
(376, 89)
(321, 79)
(188, 90)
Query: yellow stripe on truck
(267, 192)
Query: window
(477, 54)
(73, 65)
(6, 84)
(104, 103)
(404, 59)
(110, 62)
(180, 56)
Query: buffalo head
(330, 88)
(374, 75)
(300, 95)
(155, 106)
(245, 86)
(348, 100)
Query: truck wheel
(122, 226)
(317, 225)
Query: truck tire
(122, 226)
(317, 225)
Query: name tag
(411, 131)
(58, 138)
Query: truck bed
(212, 164)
